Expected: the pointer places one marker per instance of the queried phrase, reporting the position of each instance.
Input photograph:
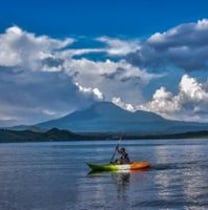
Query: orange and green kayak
(119, 167)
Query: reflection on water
(53, 176)
(116, 185)
(122, 184)
(182, 180)
(120, 180)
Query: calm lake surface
(54, 176)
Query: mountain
(107, 117)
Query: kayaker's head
(122, 150)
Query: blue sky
(94, 18)
(60, 56)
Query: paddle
(114, 153)
(116, 148)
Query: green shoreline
(13, 136)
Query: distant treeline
(65, 135)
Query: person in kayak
(124, 159)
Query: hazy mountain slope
(107, 117)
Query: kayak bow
(119, 167)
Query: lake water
(54, 176)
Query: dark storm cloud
(28, 95)
(185, 47)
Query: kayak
(119, 167)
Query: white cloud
(113, 79)
(60, 83)
(20, 48)
(95, 92)
(190, 104)
(163, 103)
(202, 24)
(117, 101)
(40, 79)
(119, 47)
(193, 90)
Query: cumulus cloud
(117, 101)
(113, 79)
(20, 48)
(94, 92)
(40, 79)
(190, 104)
(184, 46)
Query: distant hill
(53, 134)
(8, 136)
(107, 117)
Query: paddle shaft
(115, 151)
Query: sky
(57, 57)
